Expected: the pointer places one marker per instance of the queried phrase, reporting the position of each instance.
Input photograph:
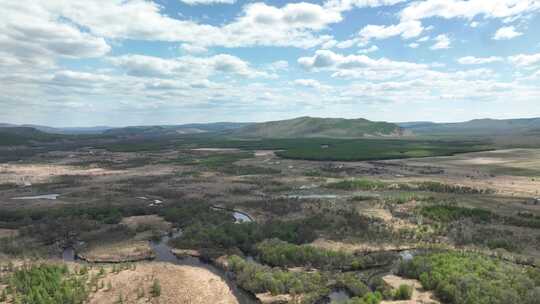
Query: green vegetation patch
(370, 298)
(405, 197)
(243, 236)
(466, 278)
(12, 136)
(222, 159)
(278, 253)
(358, 184)
(344, 149)
(312, 286)
(311, 148)
(377, 185)
(228, 235)
(448, 213)
(258, 278)
(374, 149)
(448, 188)
(404, 292)
(47, 284)
(194, 213)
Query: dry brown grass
(125, 251)
(6, 233)
(179, 285)
(153, 221)
(40, 173)
(357, 247)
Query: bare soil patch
(39, 173)
(419, 295)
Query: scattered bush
(463, 278)
(258, 278)
(447, 188)
(358, 184)
(448, 213)
(47, 284)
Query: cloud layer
(91, 61)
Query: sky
(141, 62)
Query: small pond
(313, 196)
(336, 296)
(44, 196)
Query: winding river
(163, 253)
(239, 216)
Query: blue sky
(141, 62)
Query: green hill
(24, 135)
(319, 127)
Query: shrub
(352, 284)
(404, 292)
(369, 298)
(155, 289)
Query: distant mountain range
(477, 127)
(134, 130)
(298, 128)
(52, 130)
(172, 130)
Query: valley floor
(373, 215)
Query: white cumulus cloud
(202, 67)
(207, 2)
(506, 33)
(312, 83)
(441, 42)
(525, 60)
(468, 9)
(406, 30)
(479, 60)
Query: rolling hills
(301, 127)
(174, 130)
(304, 127)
